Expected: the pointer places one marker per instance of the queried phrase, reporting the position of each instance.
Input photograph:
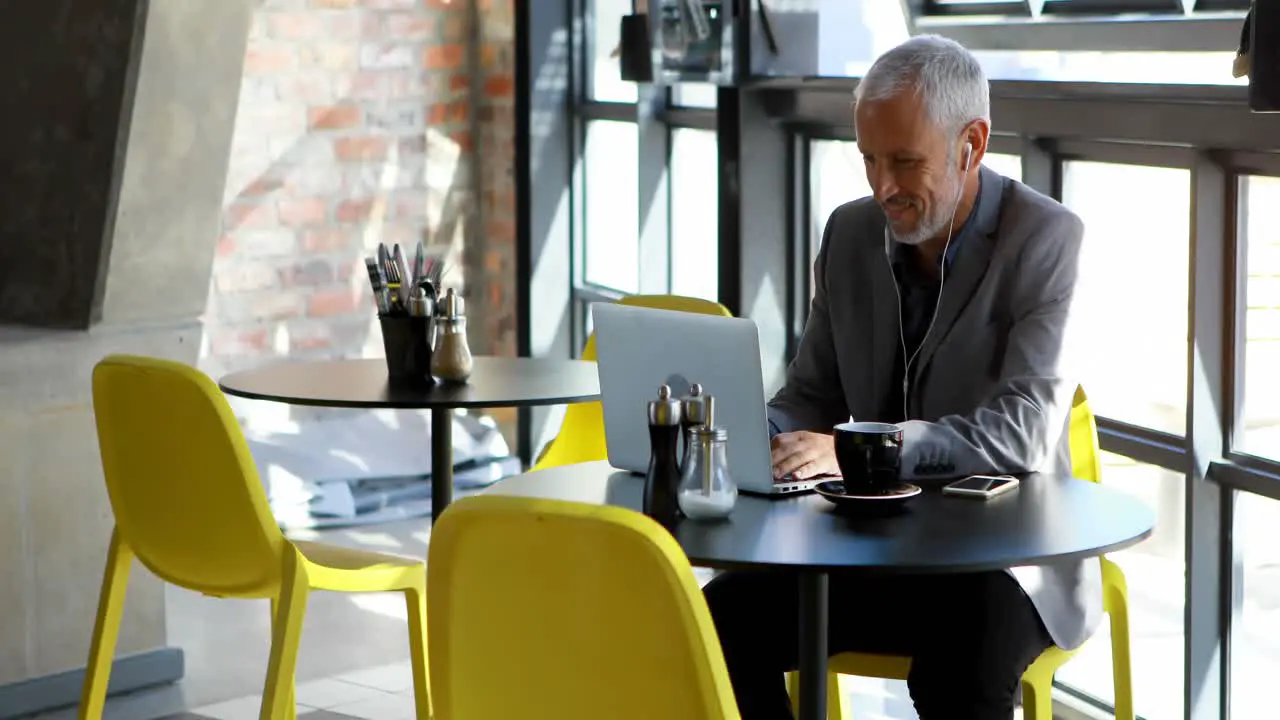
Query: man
(941, 304)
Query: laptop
(639, 349)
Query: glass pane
(1009, 166)
(841, 38)
(1155, 571)
(836, 176)
(1260, 434)
(699, 95)
(830, 37)
(1130, 311)
(1255, 632)
(606, 71)
(695, 226)
(1198, 68)
(611, 205)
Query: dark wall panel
(68, 69)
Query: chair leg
(793, 692)
(416, 602)
(286, 631)
(1037, 697)
(1121, 672)
(837, 708)
(292, 710)
(106, 628)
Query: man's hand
(803, 455)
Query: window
(836, 176)
(605, 70)
(1255, 631)
(1155, 571)
(1260, 232)
(1009, 166)
(1130, 311)
(695, 240)
(611, 205)
(1173, 68)
(698, 95)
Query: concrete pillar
(115, 138)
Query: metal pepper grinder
(663, 478)
(451, 361)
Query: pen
(378, 285)
(402, 273)
(392, 279)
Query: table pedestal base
(813, 646)
(441, 461)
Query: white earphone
(942, 279)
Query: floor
(316, 715)
(353, 658)
(352, 663)
(379, 693)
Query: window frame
(1099, 25)
(1207, 129)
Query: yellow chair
(554, 610)
(581, 435)
(1037, 681)
(189, 505)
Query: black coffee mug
(408, 343)
(869, 455)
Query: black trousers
(970, 637)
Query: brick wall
(363, 121)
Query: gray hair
(946, 76)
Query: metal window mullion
(653, 136)
(1238, 475)
(753, 191)
(1040, 167)
(1239, 291)
(548, 43)
(799, 224)
(697, 118)
(1208, 388)
(1235, 294)
(581, 46)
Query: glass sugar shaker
(707, 490)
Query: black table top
(1045, 519)
(494, 382)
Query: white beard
(936, 221)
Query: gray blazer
(990, 392)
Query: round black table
(494, 382)
(1046, 519)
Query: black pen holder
(408, 342)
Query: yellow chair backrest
(678, 303)
(182, 484)
(1086, 454)
(581, 436)
(546, 609)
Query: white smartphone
(982, 487)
